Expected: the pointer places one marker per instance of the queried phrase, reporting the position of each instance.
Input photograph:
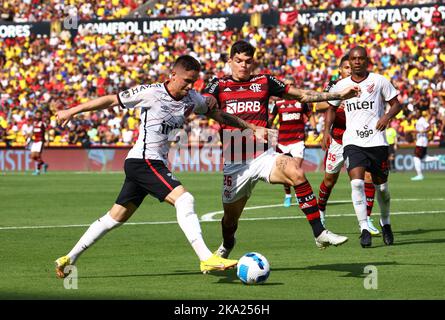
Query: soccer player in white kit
(164, 107)
(420, 153)
(364, 141)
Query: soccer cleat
(365, 238)
(372, 230)
(36, 173)
(287, 202)
(223, 252)
(216, 263)
(327, 238)
(442, 158)
(45, 168)
(388, 237)
(61, 264)
(417, 178)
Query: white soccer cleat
(417, 178)
(327, 238)
(372, 230)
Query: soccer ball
(253, 268)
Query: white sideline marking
(208, 217)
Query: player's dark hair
(187, 63)
(242, 47)
(345, 58)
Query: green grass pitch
(151, 259)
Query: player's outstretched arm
(105, 102)
(386, 118)
(316, 96)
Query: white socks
(418, 162)
(383, 197)
(359, 202)
(96, 231)
(418, 165)
(189, 223)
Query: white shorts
(240, 179)
(295, 149)
(334, 158)
(37, 146)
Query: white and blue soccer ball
(253, 268)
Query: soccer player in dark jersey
(247, 96)
(164, 107)
(292, 117)
(334, 128)
(38, 141)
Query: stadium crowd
(50, 73)
(54, 10)
(184, 8)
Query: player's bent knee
(185, 201)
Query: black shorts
(420, 152)
(144, 177)
(374, 159)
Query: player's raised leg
(286, 170)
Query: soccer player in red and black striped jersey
(38, 140)
(247, 96)
(334, 153)
(292, 117)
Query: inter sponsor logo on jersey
(352, 106)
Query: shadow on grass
(355, 270)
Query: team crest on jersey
(255, 87)
(370, 88)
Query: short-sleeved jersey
(38, 131)
(248, 100)
(363, 112)
(422, 137)
(291, 115)
(339, 126)
(160, 114)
